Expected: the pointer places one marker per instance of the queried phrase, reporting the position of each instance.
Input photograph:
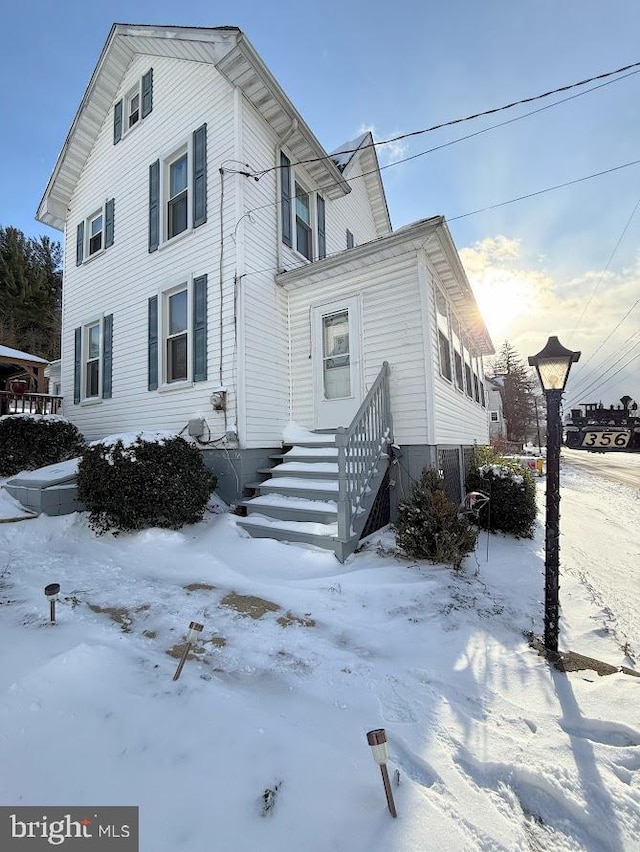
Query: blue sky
(398, 67)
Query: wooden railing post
(344, 504)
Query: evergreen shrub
(511, 490)
(428, 525)
(30, 441)
(145, 483)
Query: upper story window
(302, 222)
(495, 417)
(133, 107)
(95, 233)
(177, 195)
(178, 190)
(350, 241)
(304, 239)
(136, 105)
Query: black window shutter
(200, 329)
(117, 122)
(153, 343)
(77, 364)
(322, 239)
(285, 198)
(154, 205)
(107, 356)
(80, 244)
(147, 93)
(350, 242)
(200, 176)
(109, 221)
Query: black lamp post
(553, 364)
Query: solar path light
(52, 591)
(377, 739)
(195, 630)
(553, 364)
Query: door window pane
(336, 359)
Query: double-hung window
(302, 214)
(136, 105)
(92, 362)
(178, 190)
(177, 336)
(177, 195)
(304, 239)
(95, 233)
(444, 346)
(93, 346)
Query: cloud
(525, 303)
(390, 153)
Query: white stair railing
(360, 449)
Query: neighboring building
(497, 423)
(221, 266)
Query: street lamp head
(553, 364)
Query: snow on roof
(8, 352)
(343, 154)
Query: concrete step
(285, 508)
(320, 535)
(304, 470)
(310, 489)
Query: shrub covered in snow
(428, 525)
(29, 441)
(511, 490)
(139, 483)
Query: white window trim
(126, 108)
(84, 353)
(163, 326)
(447, 333)
(305, 183)
(165, 162)
(97, 211)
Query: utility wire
(579, 386)
(604, 271)
(619, 370)
(542, 191)
(454, 121)
(612, 332)
(597, 382)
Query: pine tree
(30, 293)
(518, 397)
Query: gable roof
(362, 150)
(232, 54)
(431, 235)
(7, 354)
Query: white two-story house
(226, 276)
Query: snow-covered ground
(300, 656)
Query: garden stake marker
(377, 739)
(51, 591)
(192, 635)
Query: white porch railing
(360, 449)
(29, 403)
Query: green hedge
(511, 489)
(30, 441)
(147, 483)
(428, 525)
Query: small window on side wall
(136, 105)
(93, 347)
(350, 240)
(445, 355)
(95, 233)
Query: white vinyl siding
(391, 331)
(458, 419)
(186, 95)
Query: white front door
(337, 368)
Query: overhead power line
(591, 384)
(608, 380)
(460, 120)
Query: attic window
(129, 111)
(133, 107)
